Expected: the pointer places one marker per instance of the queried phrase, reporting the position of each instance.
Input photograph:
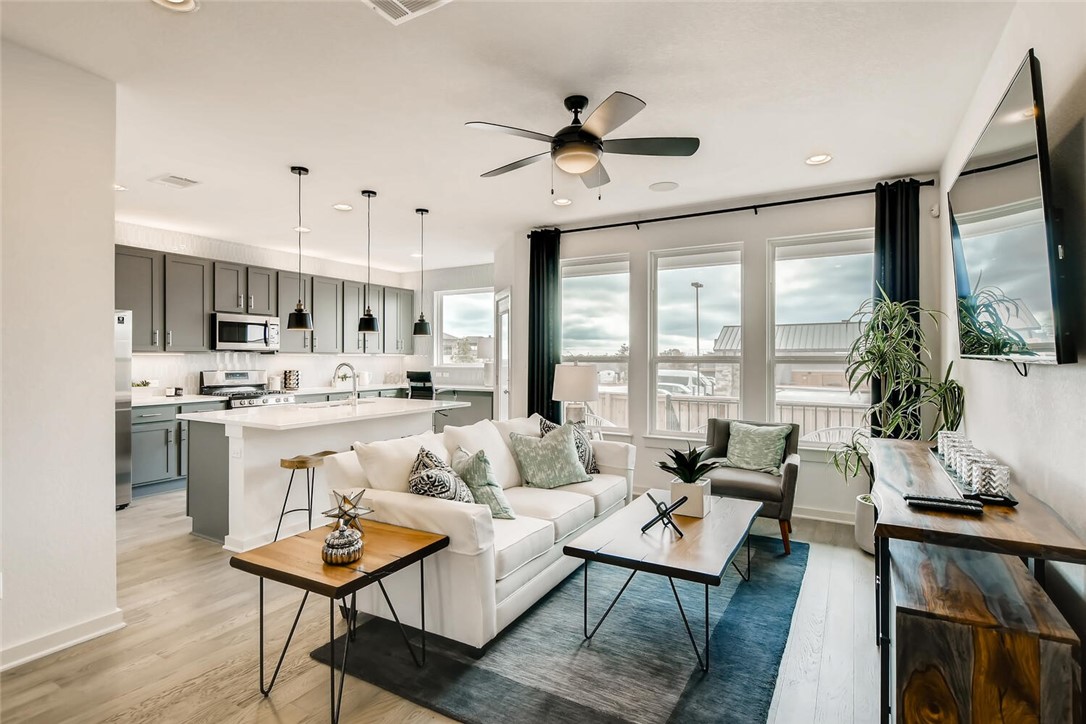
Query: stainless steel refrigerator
(122, 358)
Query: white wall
(1036, 425)
(821, 492)
(58, 518)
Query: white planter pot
(698, 499)
(865, 523)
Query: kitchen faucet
(354, 379)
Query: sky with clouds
(1015, 261)
(468, 315)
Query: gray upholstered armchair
(775, 493)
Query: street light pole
(698, 286)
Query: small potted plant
(689, 469)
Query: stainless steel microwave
(245, 332)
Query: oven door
(246, 332)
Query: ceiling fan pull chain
(599, 182)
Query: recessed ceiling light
(663, 186)
(118, 187)
(342, 207)
(416, 255)
(562, 202)
(302, 229)
(818, 159)
(178, 6)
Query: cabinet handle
(169, 436)
(305, 340)
(155, 414)
(251, 305)
(155, 342)
(169, 338)
(314, 341)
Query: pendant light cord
(369, 244)
(300, 241)
(422, 259)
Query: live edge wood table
(702, 555)
(297, 562)
(1031, 531)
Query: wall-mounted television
(1010, 271)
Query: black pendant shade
(300, 319)
(422, 327)
(368, 323)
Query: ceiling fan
(577, 148)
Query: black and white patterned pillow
(580, 439)
(431, 476)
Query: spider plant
(689, 466)
(981, 323)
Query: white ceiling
(234, 94)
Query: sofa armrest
(342, 471)
(789, 474)
(616, 458)
(470, 527)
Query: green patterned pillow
(475, 470)
(757, 447)
(551, 461)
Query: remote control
(947, 505)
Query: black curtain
(544, 322)
(897, 260)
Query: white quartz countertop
(149, 400)
(293, 417)
(347, 388)
(462, 388)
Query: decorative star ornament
(348, 509)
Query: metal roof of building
(796, 339)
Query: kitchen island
(235, 484)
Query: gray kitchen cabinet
(138, 286)
(407, 321)
(354, 306)
(263, 290)
(292, 340)
(245, 289)
(482, 408)
(398, 322)
(393, 393)
(188, 303)
(230, 283)
(154, 452)
(327, 337)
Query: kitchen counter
(149, 400)
(293, 417)
(328, 390)
(438, 389)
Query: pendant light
(300, 319)
(367, 322)
(422, 327)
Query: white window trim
(439, 327)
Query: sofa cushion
(605, 490)
(475, 470)
(483, 435)
(746, 484)
(580, 437)
(386, 464)
(549, 462)
(568, 512)
(518, 541)
(431, 476)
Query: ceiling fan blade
(653, 146)
(516, 164)
(596, 176)
(511, 131)
(612, 113)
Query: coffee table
(702, 555)
(296, 561)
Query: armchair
(776, 493)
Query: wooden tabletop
(1031, 529)
(297, 560)
(701, 555)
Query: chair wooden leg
(785, 529)
(789, 526)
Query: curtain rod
(733, 209)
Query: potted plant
(689, 469)
(891, 352)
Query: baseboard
(27, 651)
(829, 516)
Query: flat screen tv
(1010, 274)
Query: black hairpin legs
(703, 665)
(265, 690)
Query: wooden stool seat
(302, 462)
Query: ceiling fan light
(577, 157)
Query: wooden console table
(1031, 531)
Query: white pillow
(521, 425)
(386, 464)
(484, 435)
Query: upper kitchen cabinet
(245, 289)
(292, 340)
(263, 290)
(327, 316)
(188, 303)
(229, 288)
(138, 286)
(354, 306)
(398, 321)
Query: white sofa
(493, 569)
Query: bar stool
(309, 464)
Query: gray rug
(640, 666)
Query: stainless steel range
(243, 388)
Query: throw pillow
(551, 461)
(475, 470)
(757, 447)
(580, 437)
(431, 476)
(483, 435)
(386, 464)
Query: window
(596, 330)
(818, 283)
(696, 349)
(465, 327)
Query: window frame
(655, 359)
(439, 326)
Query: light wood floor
(188, 653)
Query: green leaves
(688, 466)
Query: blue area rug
(639, 667)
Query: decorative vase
(865, 523)
(698, 498)
(342, 546)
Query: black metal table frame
(335, 702)
(703, 665)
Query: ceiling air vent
(173, 181)
(398, 12)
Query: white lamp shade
(576, 383)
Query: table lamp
(574, 383)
